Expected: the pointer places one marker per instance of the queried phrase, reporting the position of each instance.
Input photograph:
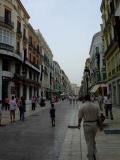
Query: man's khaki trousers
(90, 130)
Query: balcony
(6, 47)
(5, 23)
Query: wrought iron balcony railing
(7, 23)
(6, 47)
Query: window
(24, 33)
(97, 50)
(34, 60)
(18, 27)
(18, 47)
(5, 65)
(7, 16)
(6, 37)
(30, 40)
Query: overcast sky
(68, 27)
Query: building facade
(26, 61)
(97, 65)
(111, 38)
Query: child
(52, 114)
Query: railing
(6, 47)
(6, 22)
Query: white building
(97, 65)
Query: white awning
(95, 88)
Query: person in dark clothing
(22, 109)
(52, 114)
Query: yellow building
(111, 40)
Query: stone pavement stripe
(71, 146)
(74, 146)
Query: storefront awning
(96, 87)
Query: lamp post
(87, 74)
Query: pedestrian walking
(33, 103)
(12, 109)
(92, 98)
(100, 101)
(52, 114)
(108, 107)
(6, 103)
(22, 109)
(90, 114)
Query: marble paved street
(35, 139)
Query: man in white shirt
(90, 113)
(108, 107)
(12, 109)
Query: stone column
(21, 90)
(27, 97)
(11, 85)
(0, 78)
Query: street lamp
(87, 74)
